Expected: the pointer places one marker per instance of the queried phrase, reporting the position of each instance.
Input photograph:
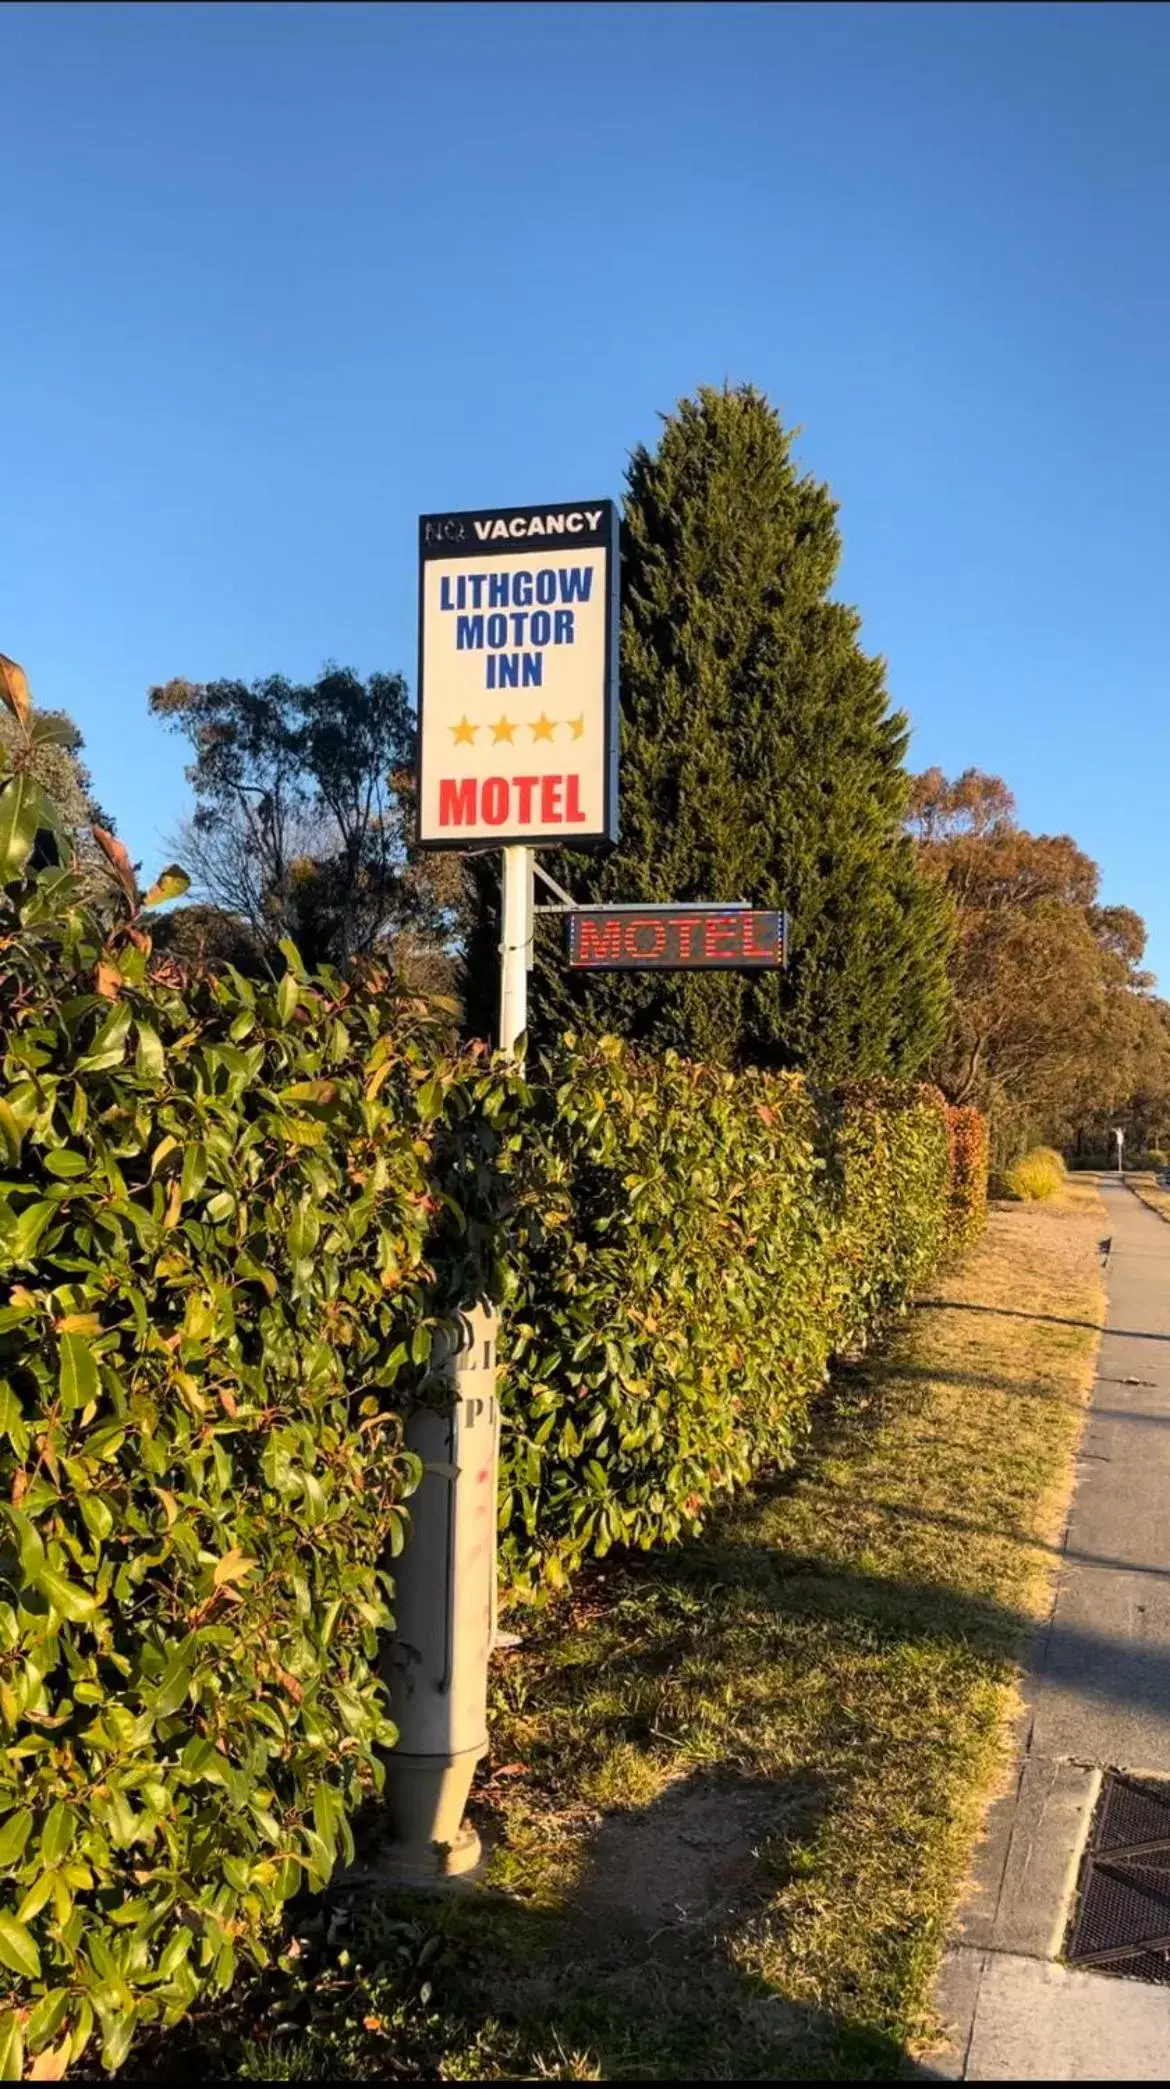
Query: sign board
(517, 676)
(676, 939)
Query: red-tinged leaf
(108, 980)
(14, 690)
(115, 854)
(51, 2065)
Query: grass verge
(735, 1786)
(1146, 1187)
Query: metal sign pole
(446, 1576)
(515, 945)
(517, 696)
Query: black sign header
(484, 532)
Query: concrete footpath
(1098, 1698)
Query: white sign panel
(517, 676)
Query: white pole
(517, 900)
(515, 945)
(446, 1576)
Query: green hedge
(231, 1219)
(695, 1246)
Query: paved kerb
(1098, 1697)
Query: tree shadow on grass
(1096, 1327)
(632, 1979)
(634, 1976)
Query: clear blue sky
(277, 277)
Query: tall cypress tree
(759, 761)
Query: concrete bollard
(445, 1614)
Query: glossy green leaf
(11, 1135)
(18, 1948)
(194, 1168)
(78, 1374)
(46, 2019)
(21, 814)
(33, 1221)
(109, 1044)
(173, 1688)
(57, 1834)
(29, 1546)
(98, 1516)
(149, 1057)
(11, 2046)
(69, 1601)
(14, 1834)
(170, 883)
(430, 1101)
(66, 1163)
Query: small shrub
(1036, 1175)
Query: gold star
(503, 729)
(464, 733)
(542, 727)
(577, 725)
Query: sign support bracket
(568, 905)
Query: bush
(970, 1157)
(1036, 1176)
(220, 1217)
(695, 1247)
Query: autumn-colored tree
(1053, 1022)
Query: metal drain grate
(1122, 1920)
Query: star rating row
(541, 728)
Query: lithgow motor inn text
(511, 617)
